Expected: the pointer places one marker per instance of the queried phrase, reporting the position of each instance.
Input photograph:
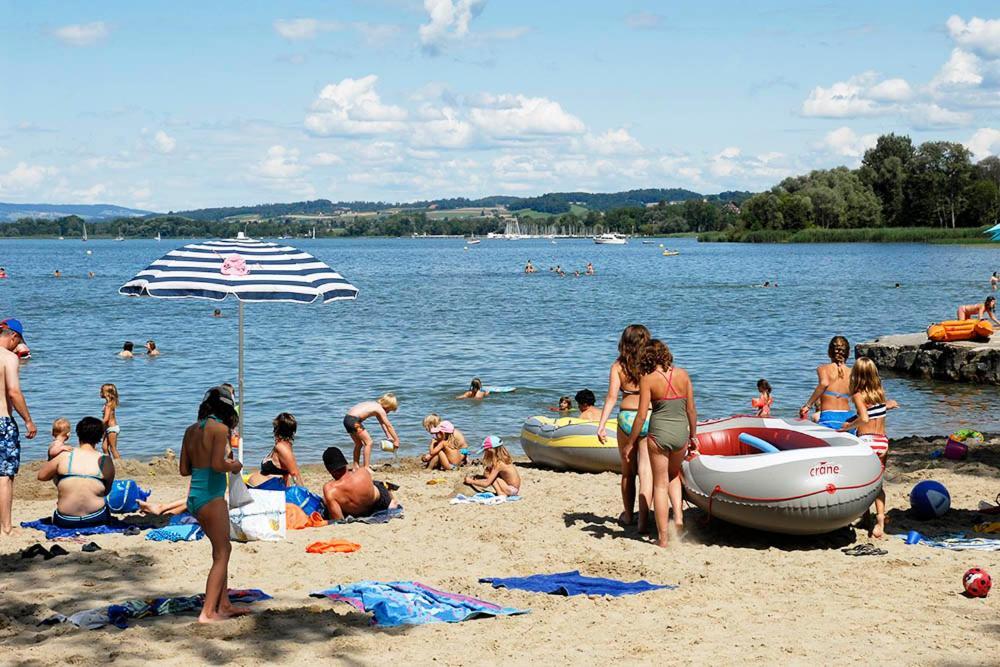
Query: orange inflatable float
(954, 330)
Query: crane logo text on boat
(824, 468)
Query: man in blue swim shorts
(11, 335)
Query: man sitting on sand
(352, 492)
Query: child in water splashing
(764, 401)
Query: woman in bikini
(667, 393)
(83, 478)
(280, 462)
(982, 311)
(833, 389)
(624, 379)
(869, 399)
(206, 458)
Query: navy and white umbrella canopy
(249, 269)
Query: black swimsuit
(384, 498)
(353, 424)
(268, 467)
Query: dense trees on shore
(935, 184)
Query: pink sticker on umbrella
(234, 265)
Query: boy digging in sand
(354, 425)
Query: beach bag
(308, 501)
(239, 494)
(124, 496)
(263, 519)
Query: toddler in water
(501, 475)
(60, 435)
(565, 405)
(109, 393)
(764, 401)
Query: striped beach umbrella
(248, 269)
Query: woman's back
(81, 480)
(198, 440)
(837, 379)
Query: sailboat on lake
(84, 237)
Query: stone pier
(913, 354)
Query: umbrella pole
(242, 395)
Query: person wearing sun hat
(445, 450)
(11, 335)
(500, 474)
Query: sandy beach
(742, 596)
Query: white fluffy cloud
(164, 142)
(979, 35)
(326, 159)
(24, 177)
(845, 142)
(985, 142)
(303, 28)
(961, 70)
(845, 99)
(891, 90)
(91, 195)
(448, 20)
(517, 116)
(353, 107)
(933, 116)
(281, 164)
(82, 34)
(613, 142)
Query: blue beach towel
(484, 498)
(52, 532)
(397, 603)
(959, 542)
(573, 583)
(378, 517)
(179, 533)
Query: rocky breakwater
(912, 354)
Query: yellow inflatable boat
(568, 443)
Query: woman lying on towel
(83, 478)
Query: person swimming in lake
(3, 272)
(500, 475)
(109, 393)
(564, 407)
(529, 267)
(127, 350)
(57, 274)
(994, 279)
(833, 387)
(217, 313)
(764, 401)
(982, 311)
(585, 401)
(355, 426)
(590, 269)
(151, 350)
(475, 391)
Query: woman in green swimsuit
(624, 378)
(206, 458)
(667, 392)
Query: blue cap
(15, 326)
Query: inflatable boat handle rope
(829, 488)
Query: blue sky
(171, 105)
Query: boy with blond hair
(355, 427)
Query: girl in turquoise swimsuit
(205, 458)
(624, 379)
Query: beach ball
(929, 499)
(977, 582)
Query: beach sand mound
(744, 596)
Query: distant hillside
(555, 202)
(11, 212)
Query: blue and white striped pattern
(276, 273)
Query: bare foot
(662, 543)
(879, 530)
(625, 519)
(212, 618)
(230, 611)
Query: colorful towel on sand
(52, 532)
(573, 583)
(179, 533)
(378, 517)
(332, 547)
(959, 542)
(484, 498)
(397, 603)
(119, 614)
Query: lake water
(431, 315)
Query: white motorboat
(611, 239)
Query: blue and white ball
(929, 499)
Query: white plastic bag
(239, 494)
(263, 519)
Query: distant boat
(158, 236)
(671, 253)
(313, 232)
(611, 239)
(648, 242)
(474, 241)
(84, 237)
(61, 238)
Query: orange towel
(296, 519)
(332, 546)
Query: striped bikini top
(876, 411)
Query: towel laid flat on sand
(333, 547)
(378, 517)
(959, 542)
(396, 603)
(484, 498)
(52, 532)
(573, 583)
(179, 533)
(119, 614)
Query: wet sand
(744, 596)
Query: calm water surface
(432, 315)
